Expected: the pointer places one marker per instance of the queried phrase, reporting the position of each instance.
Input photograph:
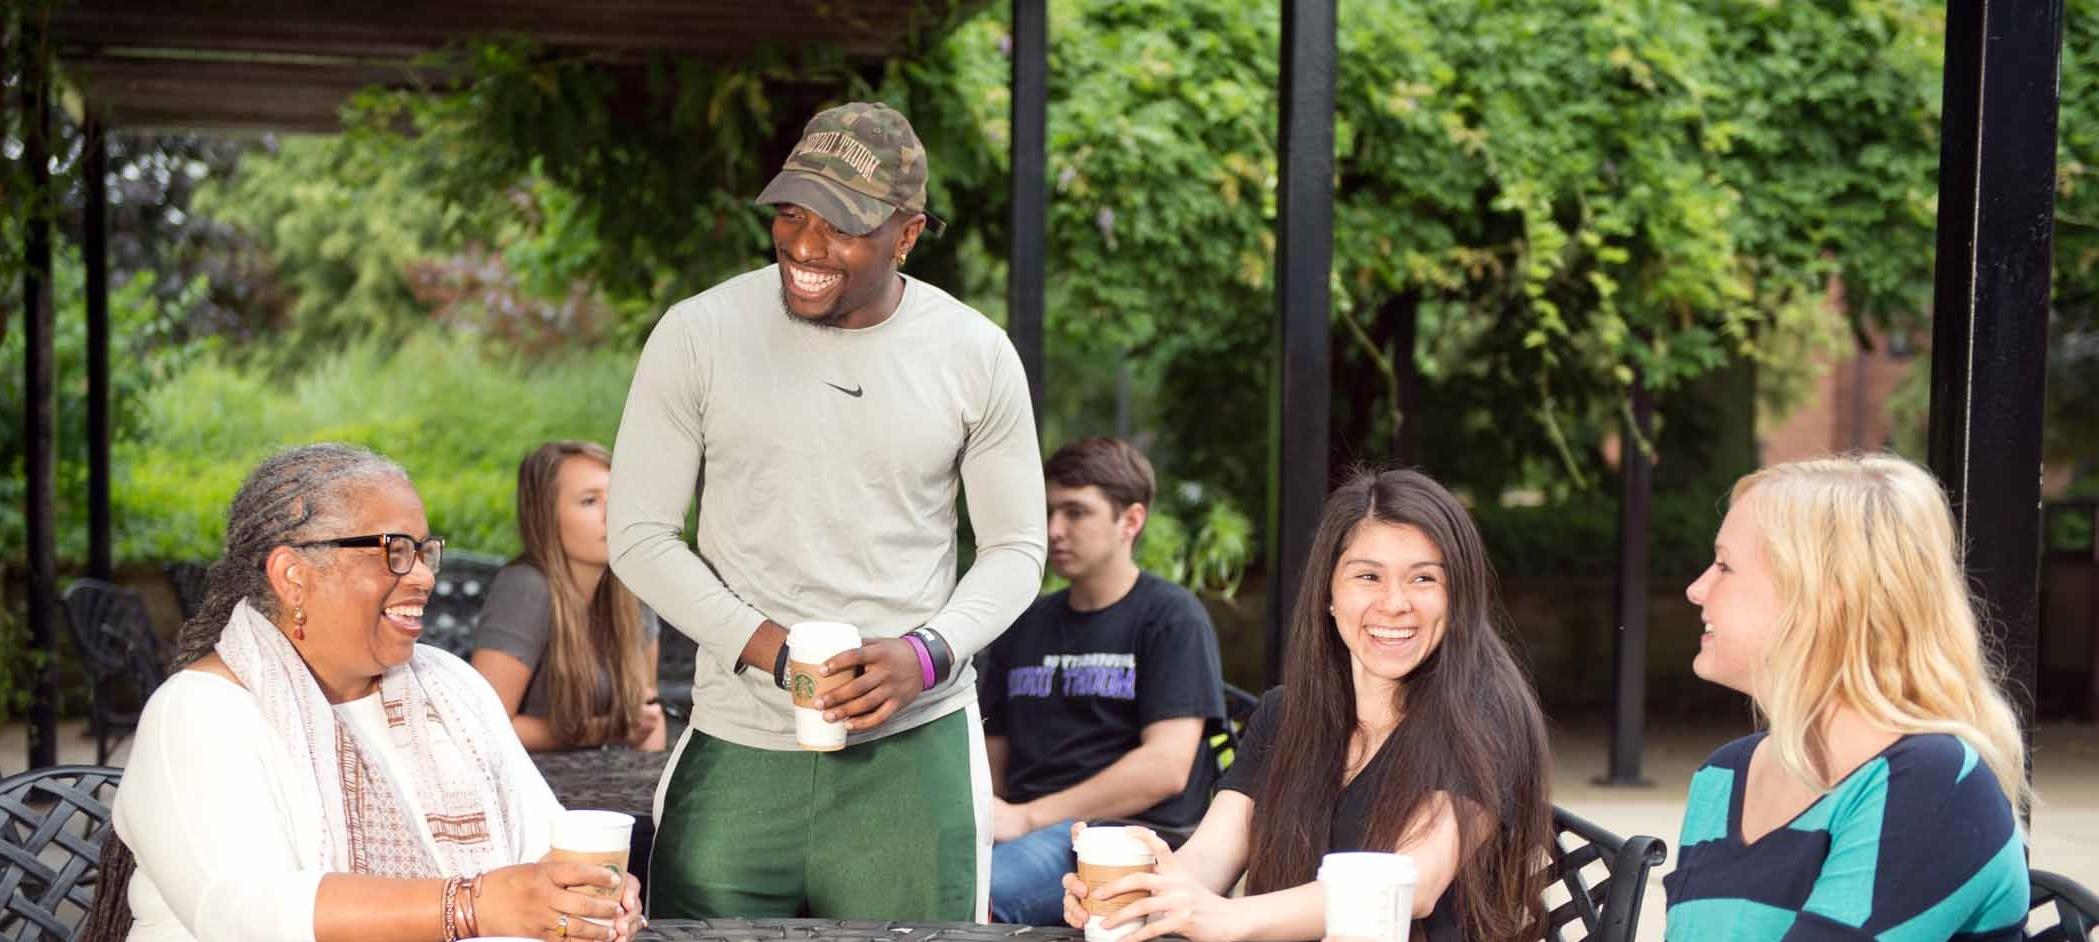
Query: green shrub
(457, 416)
(1580, 537)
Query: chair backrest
(113, 635)
(190, 582)
(676, 657)
(1603, 877)
(2076, 909)
(455, 601)
(1239, 706)
(53, 822)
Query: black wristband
(780, 667)
(936, 648)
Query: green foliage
(1210, 560)
(1570, 195)
(19, 664)
(343, 225)
(457, 416)
(141, 359)
(1579, 537)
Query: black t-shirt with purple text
(1072, 691)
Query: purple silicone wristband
(925, 663)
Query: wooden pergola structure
(288, 65)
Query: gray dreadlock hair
(291, 496)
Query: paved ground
(2065, 762)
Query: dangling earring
(299, 622)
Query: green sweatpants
(884, 830)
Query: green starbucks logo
(804, 687)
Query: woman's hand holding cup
(1175, 903)
(537, 900)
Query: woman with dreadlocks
(309, 772)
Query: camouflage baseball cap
(856, 165)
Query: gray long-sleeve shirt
(826, 464)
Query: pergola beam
(1028, 240)
(39, 406)
(94, 178)
(1304, 304)
(1989, 353)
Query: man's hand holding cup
(890, 678)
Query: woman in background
(570, 652)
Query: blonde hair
(1875, 615)
(604, 629)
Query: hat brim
(846, 210)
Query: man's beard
(828, 321)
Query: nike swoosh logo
(853, 392)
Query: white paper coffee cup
(809, 645)
(1107, 854)
(1369, 895)
(599, 838)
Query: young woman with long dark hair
(1403, 724)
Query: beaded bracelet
(451, 911)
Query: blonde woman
(569, 650)
(1883, 800)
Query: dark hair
(1470, 724)
(1111, 464)
(291, 496)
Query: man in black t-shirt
(1097, 700)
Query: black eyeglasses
(401, 549)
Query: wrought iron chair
(188, 578)
(455, 602)
(117, 649)
(53, 822)
(676, 656)
(1604, 877)
(2076, 909)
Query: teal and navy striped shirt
(1918, 843)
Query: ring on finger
(561, 926)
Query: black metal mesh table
(832, 930)
(613, 778)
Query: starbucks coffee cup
(809, 645)
(1369, 895)
(1107, 854)
(598, 838)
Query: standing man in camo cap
(826, 411)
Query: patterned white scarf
(474, 810)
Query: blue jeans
(1027, 877)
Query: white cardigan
(207, 807)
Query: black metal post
(1304, 304)
(39, 401)
(1990, 306)
(1629, 648)
(1030, 167)
(94, 172)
